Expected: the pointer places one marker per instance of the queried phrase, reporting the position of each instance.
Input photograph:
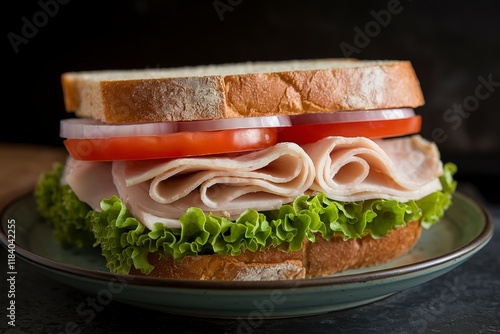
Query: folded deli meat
(225, 186)
(354, 169)
(345, 169)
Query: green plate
(465, 229)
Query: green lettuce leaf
(125, 242)
(58, 205)
(434, 205)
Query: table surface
(465, 300)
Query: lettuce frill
(62, 210)
(125, 242)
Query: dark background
(451, 44)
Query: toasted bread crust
(319, 258)
(241, 90)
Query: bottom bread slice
(319, 258)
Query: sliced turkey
(91, 181)
(352, 169)
(224, 185)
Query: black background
(450, 44)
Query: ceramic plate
(465, 229)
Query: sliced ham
(263, 180)
(352, 169)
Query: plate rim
(400, 271)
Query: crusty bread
(241, 90)
(319, 258)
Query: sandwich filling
(228, 203)
(345, 169)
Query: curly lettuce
(58, 205)
(125, 242)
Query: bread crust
(241, 90)
(319, 258)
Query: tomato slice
(174, 145)
(184, 144)
(309, 133)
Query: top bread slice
(241, 90)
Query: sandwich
(245, 171)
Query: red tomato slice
(172, 145)
(309, 133)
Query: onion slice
(235, 123)
(353, 116)
(79, 128)
(91, 128)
